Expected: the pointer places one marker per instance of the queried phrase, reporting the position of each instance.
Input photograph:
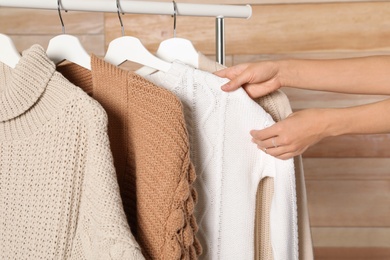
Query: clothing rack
(145, 7)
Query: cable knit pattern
(151, 152)
(278, 106)
(229, 167)
(59, 197)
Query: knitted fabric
(59, 197)
(229, 167)
(278, 106)
(265, 192)
(151, 152)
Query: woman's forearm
(368, 75)
(304, 128)
(365, 119)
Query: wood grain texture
(272, 29)
(310, 28)
(338, 203)
(30, 26)
(351, 146)
(307, 55)
(347, 168)
(17, 21)
(89, 42)
(351, 237)
(301, 99)
(351, 253)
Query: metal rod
(220, 40)
(137, 7)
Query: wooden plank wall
(348, 177)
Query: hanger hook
(174, 18)
(118, 7)
(59, 5)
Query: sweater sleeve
(102, 228)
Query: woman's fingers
(237, 82)
(257, 79)
(231, 72)
(293, 135)
(237, 75)
(281, 152)
(263, 134)
(269, 141)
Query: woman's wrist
(336, 121)
(284, 74)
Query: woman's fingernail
(225, 87)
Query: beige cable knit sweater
(59, 196)
(150, 146)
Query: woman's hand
(293, 135)
(258, 79)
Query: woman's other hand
(293, 135)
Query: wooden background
(348, 177)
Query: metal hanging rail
(136, 7)
(145, 7)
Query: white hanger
(128, 48)
(178, 48)
(9, 55)
(175, 49)
(67, 47)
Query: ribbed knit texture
(229, 167)
(278, 106)
(151, 152)
(265, 192)
(59, 197)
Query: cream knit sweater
(278, 106)
(229, 167)
(59, 197)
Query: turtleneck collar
(25, 84)
(31, 95)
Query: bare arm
(304, 128)
(368, 75)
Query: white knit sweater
(59, 197)
(229, 167)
